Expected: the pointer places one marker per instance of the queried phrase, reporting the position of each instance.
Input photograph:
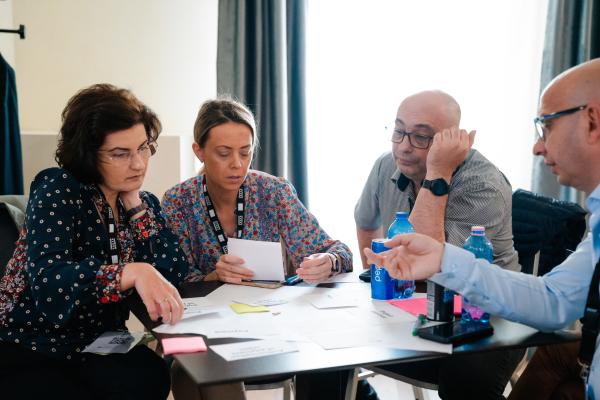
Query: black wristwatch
(438, 186)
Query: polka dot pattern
(53, 296)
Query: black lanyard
(216, 225)
(111, 229)
(591, 325)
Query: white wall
(7, 42)
(164, 51)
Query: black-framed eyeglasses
(540, 122)
(416, 140)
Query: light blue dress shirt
(547, 303)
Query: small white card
(114, 342)
(194, 306)
(265, 259)
(253, 349)
(263, 302)
(333, 299)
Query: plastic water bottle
(481, 247)
(403, 289)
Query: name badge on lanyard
(216, 225)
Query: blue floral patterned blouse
(60, 291)
(272, 213)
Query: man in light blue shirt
(569, 130)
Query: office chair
(9, 233)
(545, 232)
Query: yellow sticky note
(245, 308)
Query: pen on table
(293, 280)
(421, 319)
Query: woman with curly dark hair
(90, 237)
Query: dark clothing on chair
(8, 236)
(552, 227)
(552, 374)
(27, 374)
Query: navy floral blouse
(60, 291)
(272, 213)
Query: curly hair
(89, 116)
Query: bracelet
(335, 263)
(132, 211)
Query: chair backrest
(9, 233)
(552, 227)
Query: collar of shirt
(402, 180)
(593, 204)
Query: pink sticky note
(188, 344)
(417, 306)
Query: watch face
(439, 187)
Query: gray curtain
(572, 37)
(261, 61)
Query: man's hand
(449, 149)
(413, 256)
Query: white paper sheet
(194, 306)
(228, 293)
(334, 299)
(397, 336)
(265, 259)
(252, 349)
(370, 323)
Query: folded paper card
(418, 305)
(188, 344)
(254, 348)
(265, 259)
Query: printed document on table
(253, 349)
(334, 299)
(265, 259)
(228, 293)
(398, 336)
(194, 306)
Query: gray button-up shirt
(479, 195)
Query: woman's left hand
(130, 199)
(315, 268)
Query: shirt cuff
(456, 267)
(108, 279)
(144, 226)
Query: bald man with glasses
(433, 173)
(569, 141)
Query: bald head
(577, 85)
(442, 109)
(571, 143)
